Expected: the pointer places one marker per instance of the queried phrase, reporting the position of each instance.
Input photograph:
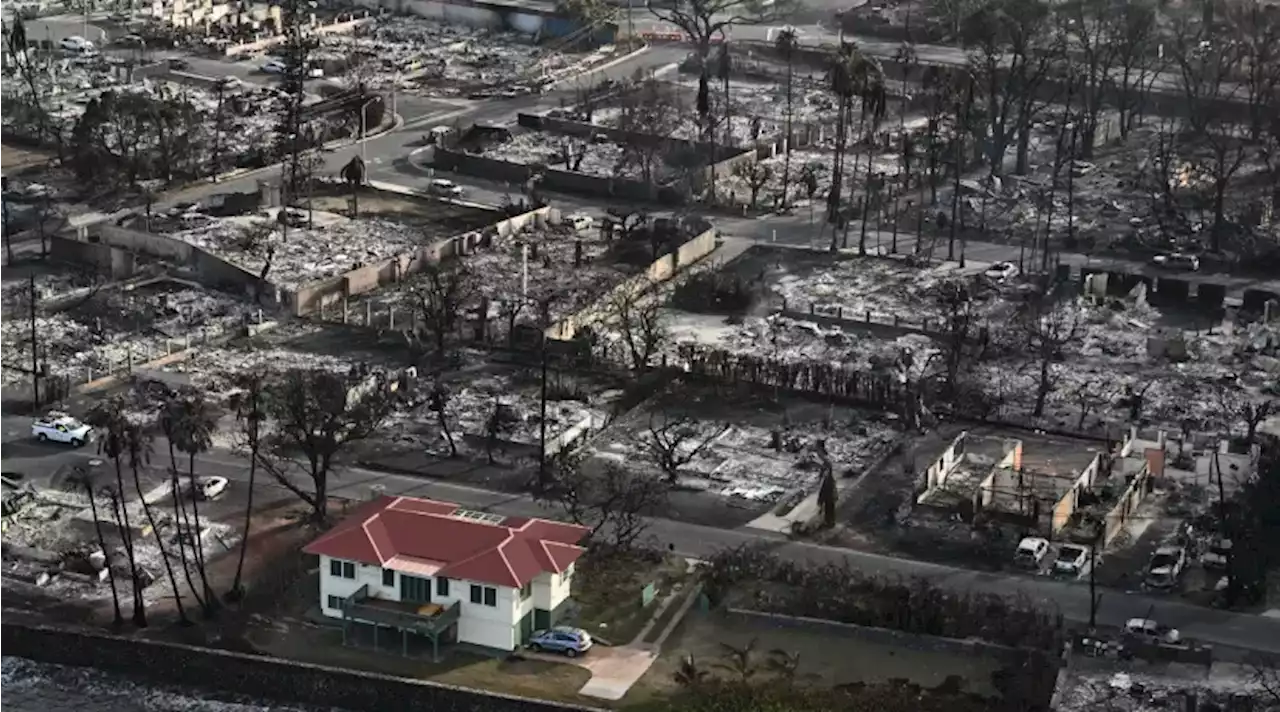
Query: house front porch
(433, 621)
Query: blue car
(561, 639)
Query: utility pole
(4, 212)
(35, 346)
(958, 143)
(217, 136)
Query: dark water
(27, 686)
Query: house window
(335, 602)
(342, 569)
(414, 589)
(388, 577)
(442, 586)
(485, 595)
(526, 590)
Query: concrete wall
(112, 262)
(228, 675)
(553, 179)
(310, 298)
(936, 475)
(1066, 505)
(1126, 506)
(660, 270)
(210, 270)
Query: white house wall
(481, 625)
(525, 23)
(550, 590)
(337, 586)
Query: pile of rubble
(333, 244)
(602, 159)
(442, 59)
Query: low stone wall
(660, 270)
(230, 675)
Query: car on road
(561, 639)
(1030, 552)
(274, 66)
(1178, 260)
(178, 64)
(1166, 566)
(207, 488)
(1071, 560)
(76, 44)
(445, 187)
(131, 40)
(580, 222)
(1150, 631)
(1001, 271)
(61, 428)
(228, 83)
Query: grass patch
(668, 615)
(608, 590)
(512, 675)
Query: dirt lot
(826, 658)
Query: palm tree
(109, 418)
(852, 75)
(689, 674)
(354, 174)
(250, 412)
(83, 477)
(787, 43)
(137, 443)
(724, 69)
(907, 58)
(741, 661)
(191, 423)
(785, 663)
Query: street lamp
(363, 120)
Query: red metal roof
(510, 552)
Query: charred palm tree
(250, 412)
(84, 478)
(852, 75)
(138, 444)
(191, 423)
(786, 43)
(109, 418)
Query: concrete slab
(615, 670)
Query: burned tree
(615, 503)
(654, 113)
(640, 322)
(443, 292)
(110, 419)
(1049, 332)
(497, 426)
(1089, 396)
(189, 422)
(670, 443)
(1133, 31)
(438, 403)
(249, 406)
(313, 417)
(756, 175)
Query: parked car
(1215, 555)
(131, 40)
(1001, 271)
(1151, 631)
(1031, 551)
(207, 488)
(1178, 260)
(580, 222)
(178, 64)
(445, 187)
(1166, 566)
(228, 83)
(274, 66)
(61, 428)
(561, 639)
(1071, 559)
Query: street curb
(333, 145)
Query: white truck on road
(61, 428)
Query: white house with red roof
(446, 573)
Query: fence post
(368, 314)
(391, 317)
(839, 312)
(167, 347)
(88, 374)
(129, 360)
(868, 316)
(344, 311)
(321, 310)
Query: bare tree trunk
(209, 595)
(139, 610)
(164, 556)
(118, 621)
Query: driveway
(613, 670)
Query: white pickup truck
(61, 428)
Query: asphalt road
(1234, 630)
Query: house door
(414, 589)
(541, 619)
(526, 628)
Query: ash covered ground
(41, 687)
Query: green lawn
(609, 593)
